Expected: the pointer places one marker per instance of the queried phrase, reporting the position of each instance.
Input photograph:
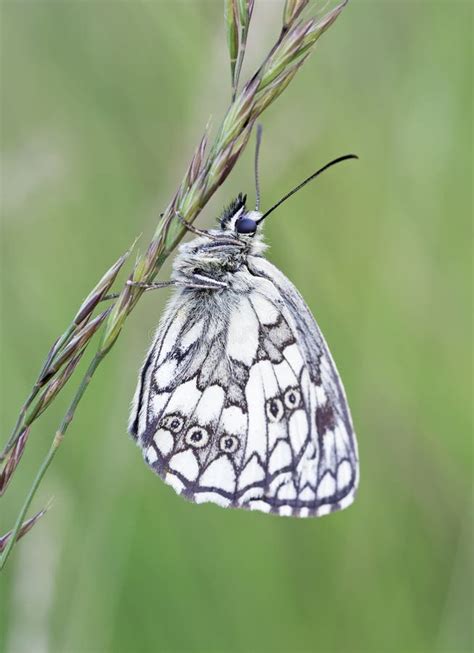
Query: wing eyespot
(173, 423)
(292, 398)
(229, 443)
(275, 409)
(197, 437)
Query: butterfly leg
(150, 286)
(200, 232)
(201, 282)
(190, 227)
(112, 295)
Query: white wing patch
(252, 473)
(209, 407)
(242, 334)
(239, 402)
(163, 441)
(266, 312)
(257, 418)
(221, 474)
(186, 464)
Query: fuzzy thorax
(218, 257)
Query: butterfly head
(238, 219)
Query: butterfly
(239, 402)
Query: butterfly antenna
(257, 178)
(303, 183)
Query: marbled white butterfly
(239, 401)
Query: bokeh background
(102, 104)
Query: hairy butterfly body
(239, 402)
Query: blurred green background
(102, 105)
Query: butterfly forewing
(239, 402)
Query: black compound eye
(292, 398)
(229, 443)
(197, 437)
(245, 226)
(274, 409)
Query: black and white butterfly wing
(239, 402)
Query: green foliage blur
(102, 105)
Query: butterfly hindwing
(239, 402)
(331, 425)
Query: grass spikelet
(203, 176)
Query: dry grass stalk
(204, 175)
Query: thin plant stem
(57, 440)
(240, 61)
(19, 425)
(68, 346)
